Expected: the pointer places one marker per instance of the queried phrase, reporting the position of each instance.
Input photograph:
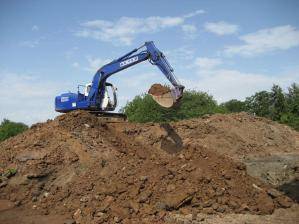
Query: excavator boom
(94, 100)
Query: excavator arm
(136, 56)
(72, 101)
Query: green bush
(291, 120)
(233, 106)
(193, 104)
(9, 129)
(275, 105)
(259, 104)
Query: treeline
(276, 105)
(9, 129)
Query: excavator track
(110, 117)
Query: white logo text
(129, 61)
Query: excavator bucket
(165, 96)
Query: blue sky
(230, 49)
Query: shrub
(9, 129)
(193, 104)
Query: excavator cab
(72, 101)
(109, 101)
(87, 89)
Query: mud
(86, 170)
(158, 90)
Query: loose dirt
(158, 90)
(81, 169)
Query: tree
(291, 116)
(193, 104)
(259, 104)
(9, 129)
(277, 103)
(233, 106)
(292, 99)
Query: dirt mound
(94, 172)
(158, 89)
(239, 135)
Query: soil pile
(95, 172)
(158, 90)
(239, 135)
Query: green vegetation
(9, 129)
(233, 106)
(10, 172)
(194, 104)
(275, 105)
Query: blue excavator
(96, 95)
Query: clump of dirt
(158, 90)
(92, 171)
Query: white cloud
(180, 54)
(207, 63)
(189, 31)
(266, 40)
(71, 53)
(35, 28)
(30, 43)
(76, 65)
(125, 29)
(95, 63)
(232, 84)
(28, 98)
(141, 81)
(221, 28)
(195, 13)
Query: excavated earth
(158, 89)
(79, 168)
